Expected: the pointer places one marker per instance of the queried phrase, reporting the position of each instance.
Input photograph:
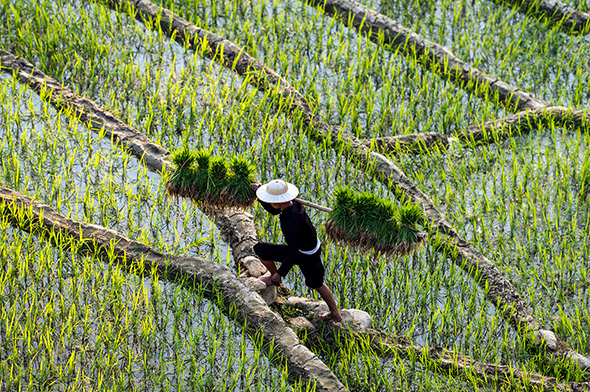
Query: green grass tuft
(218, 176)
(202, 157)
(241, 180)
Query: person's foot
(336, 317)
(266, 280)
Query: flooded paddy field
(71, 322)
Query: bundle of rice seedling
(240, 182)
(210, 181)
(218, 175)
(199, 190)
(411, 217)
(369, 223)
(183, 178)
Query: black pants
(311, 265)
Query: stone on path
(254, 266)
(268, 293)
(355, 319)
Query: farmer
(303, 245)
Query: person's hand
(255, 186)
(266, 280)
(276, 279)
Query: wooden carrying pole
(313, 205)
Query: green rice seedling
(584, 180)
(202, 157)
(368, 222)
(201, 180)
(97, 321)
(410, 218)
(183, 177)
(218, 180)
(240, 182)
(189, 180)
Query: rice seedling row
(541, 223)
(488, 132)
(104, 328)
(102, 121)
(26, 137)
(348, 96)
(521, 48)
(435, 358)
(385, 31)
(367, 21)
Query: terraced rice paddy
(71, 322)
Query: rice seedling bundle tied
(368, 222)
(210, 180)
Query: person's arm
(269, 208)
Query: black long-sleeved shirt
(298, 231)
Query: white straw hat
(277, 191)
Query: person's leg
(267, 253)
(331, 302)
(271, 267)
(313, 270)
